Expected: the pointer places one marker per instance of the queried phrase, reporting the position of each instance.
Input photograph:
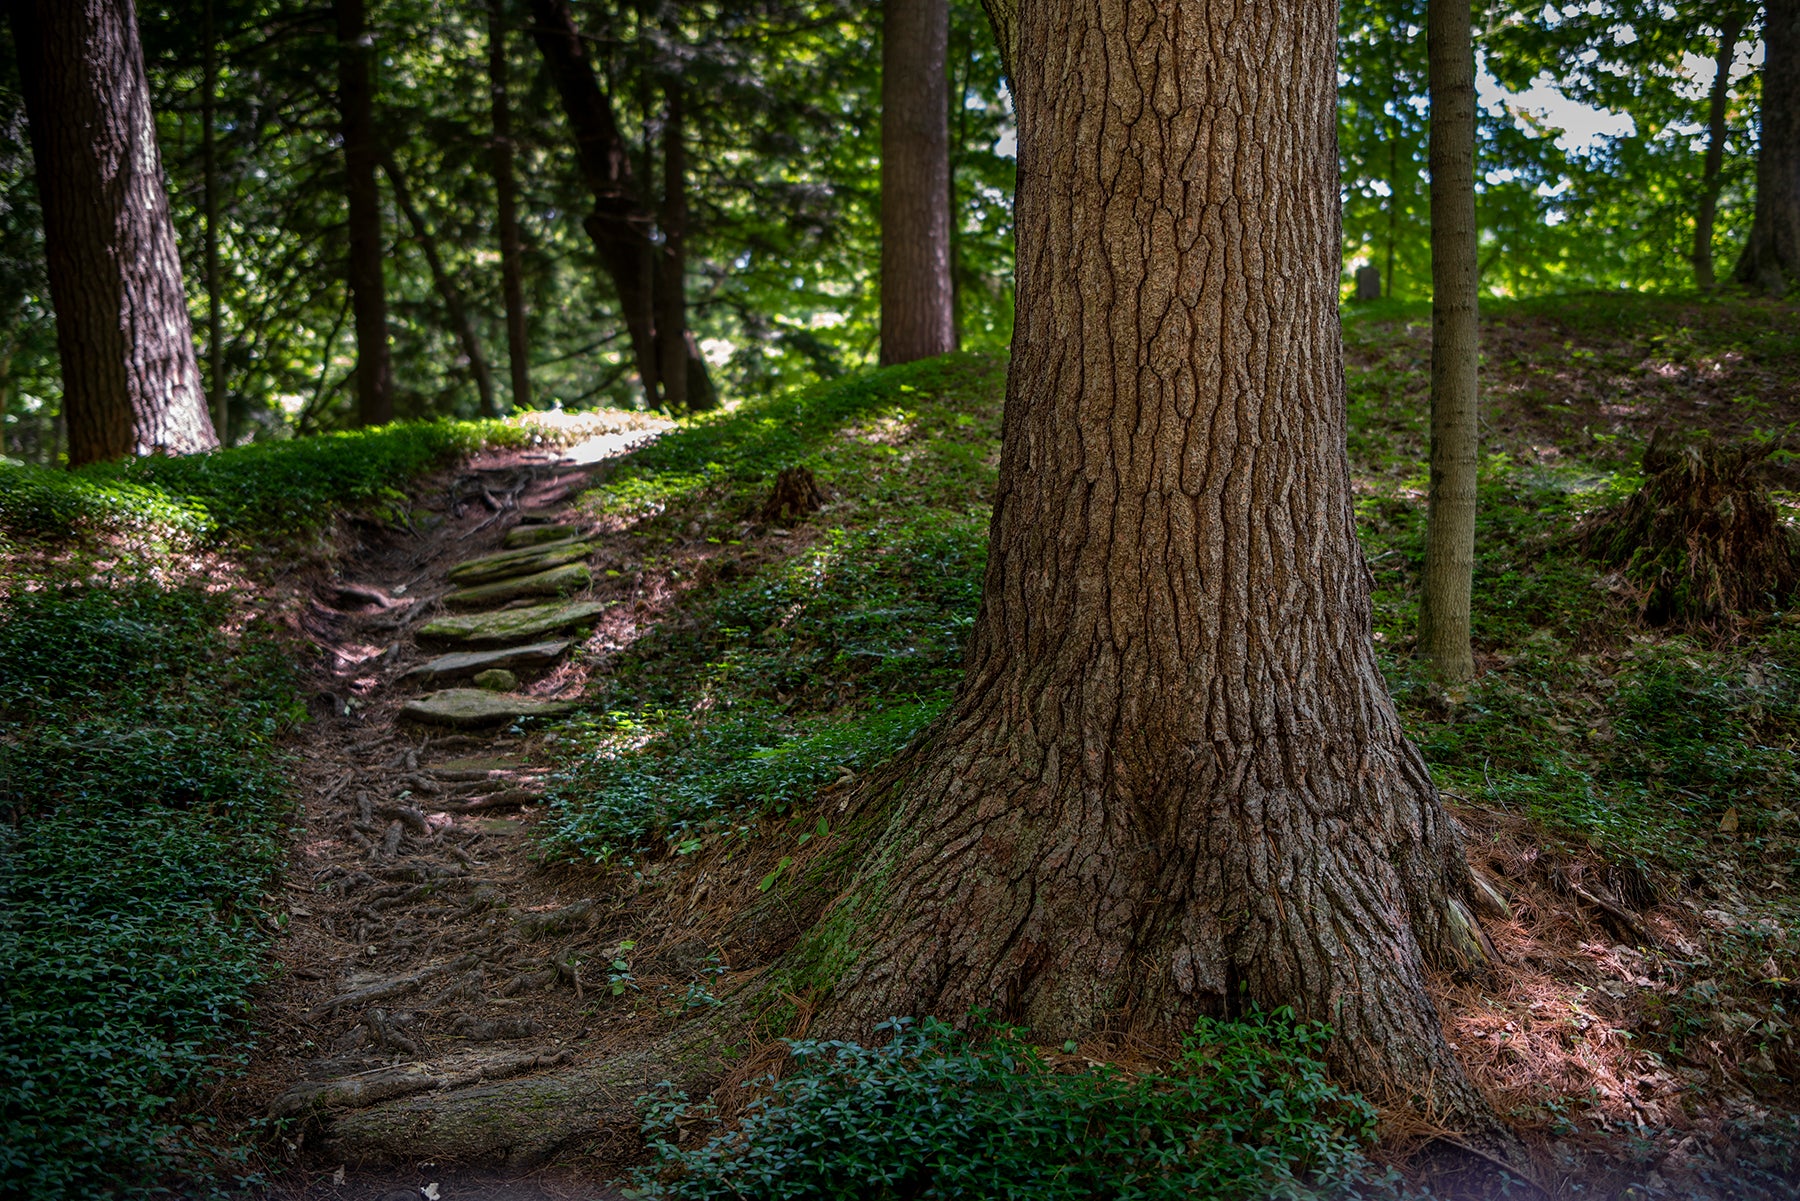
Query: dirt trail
(425, 947)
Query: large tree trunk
(1771, 258)
(215, 343)
(687, 386)
(1455, 346)
(454, 309)
(1704, 219)
(131, 384)
(918, 311)
(512, 284)
(356, 105)
(1172, 782)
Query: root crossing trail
(426, 948)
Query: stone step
(467, 708)
(538, 535)
(511, 563)
(464, 663)
(513, 625)
(558, 581)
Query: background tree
(506, 210)
(368, 289)
(130, 380)
(1455, 347)
(1771, 258)
(918, 316)
(1172, 781)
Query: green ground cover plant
(1245, 1113)
(143, 809)
(279, 489)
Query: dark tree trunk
(1771, 259)
(1172, 782)
(918, 310)
(368, 294)
(454, 309)
(512, 286)
(619, 223)
(131, 384)
(1444, 602)
(687, 386)
(215, 344)
(1707, 215)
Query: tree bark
(454, 309)
(1771, 258)
(1172, 782)
(1729, 28)
(215, 344)
(1455, 346)
(918, 313)
(512, 286)
(687, 386)
(131, 384)
(356, 105)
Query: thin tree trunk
(619, 223)
(356, 104)
(687, 385)
(512, 286)
(1455, 346)
(131, 384)
(448, 292)
(1172, 782)
(918, 317)
(1770, 262)
(215, 343)
(1729, 29)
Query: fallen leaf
(1729, 823)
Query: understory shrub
(1244, 1112)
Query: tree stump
(796, 493)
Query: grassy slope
(142, 712)
(791, 659)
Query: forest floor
(479, 920)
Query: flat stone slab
(512, 625)
(510, 563)
(537, 535)
(472, 707)
(463, 663)
(558, 581)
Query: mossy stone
(496, 679)
(559, 581)
(512, 625)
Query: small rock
(496, 679)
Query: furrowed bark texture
(1707, 215)
(512, 284)
(368, 291)
(131, 384)
(1173, 782)
(1771, 259)
(1455, 346)
(918, 312)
